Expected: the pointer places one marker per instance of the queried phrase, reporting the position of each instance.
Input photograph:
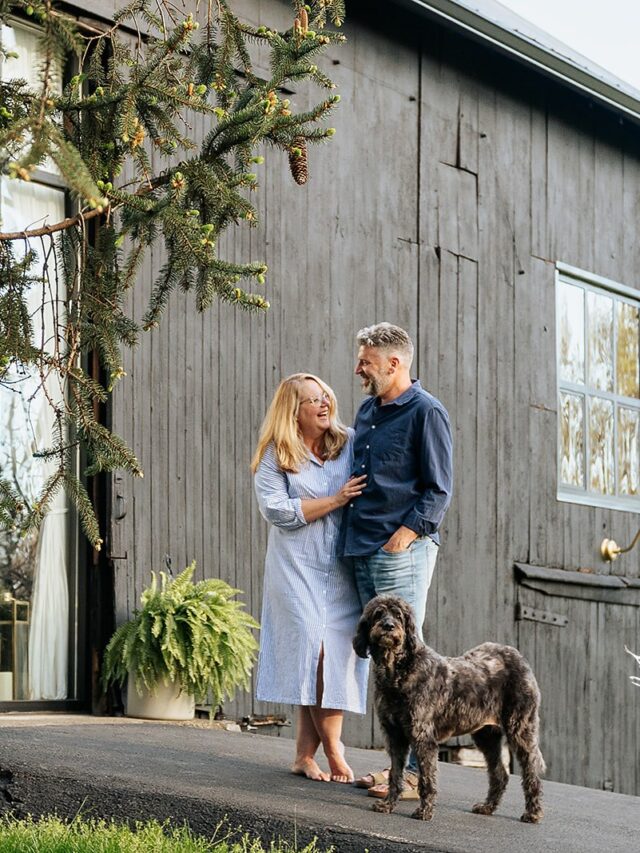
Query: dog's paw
(383, 807)
(532, 817)
(483, 808)
(422, 813)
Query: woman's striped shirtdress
(310, 599)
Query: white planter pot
(167, 703)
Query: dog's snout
(388, 624)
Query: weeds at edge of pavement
(90, 835)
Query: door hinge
(545, 616)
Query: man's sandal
(409, 792)
(370, 780)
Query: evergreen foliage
(131, 96)
(195, 635)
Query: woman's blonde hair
(280, 426)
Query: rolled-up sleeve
(436, 474)
(275, 504)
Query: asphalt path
(132, 770)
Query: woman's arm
(314, 508)
(281, 510)
(276, 506)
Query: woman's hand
(314, 508)
(351, 489)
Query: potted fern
(189, 641)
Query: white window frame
(595, 284)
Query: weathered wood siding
(454, 183)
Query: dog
(423, 698)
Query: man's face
(375, 371)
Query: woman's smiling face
(313, 409)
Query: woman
(310, 604)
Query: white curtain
(49, 630)
(31, 421)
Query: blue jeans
(406, 574)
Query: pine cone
(298, 160)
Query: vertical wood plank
(448, 223)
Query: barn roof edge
(492, 23)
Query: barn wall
(454, 183)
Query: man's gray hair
(391, 339)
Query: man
(403, 444)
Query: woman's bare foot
(340, 770)
(308, 767)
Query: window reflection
(598, 393)
(572, 437)
(571, 320)
(628, 421)
(627, 364)
(600, 336)
(601, 460)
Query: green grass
(53, 835)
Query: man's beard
(372, 386)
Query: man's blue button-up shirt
(405, 449)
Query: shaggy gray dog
(423, 698)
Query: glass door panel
(35, 569)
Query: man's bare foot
(340, 770)
(308, 767)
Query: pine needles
(130, 105)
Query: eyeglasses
(316, 401)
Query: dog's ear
(407, 616)
(410, 633)
(410, 643)
(361, 638)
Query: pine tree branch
(129, 105)
(52, 229)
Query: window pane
(627, 372)
(628, 421)
(28, 64)
(26, 205)
(600, 341)
(572, 438)
(601, 468)
(34, 596)
(571, 331)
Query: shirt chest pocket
(305, 485)
(396, 448)
(299, 486)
